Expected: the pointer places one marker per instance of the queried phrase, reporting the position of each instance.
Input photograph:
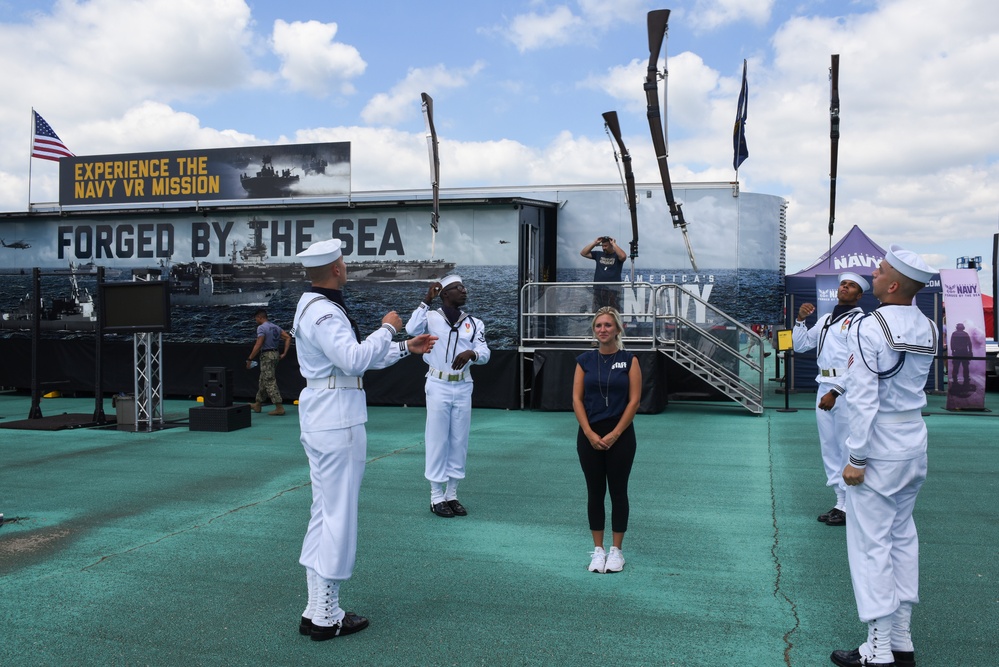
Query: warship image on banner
(191, 284)
(249, 265)
(268, 182)
(73, 312)
(314, 164)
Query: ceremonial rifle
(658, 20)
(614, 128)
(435, 162)
(833, 141)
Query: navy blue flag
(45, 143)
(739, 132)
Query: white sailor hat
(320, 253)
(449, 280)
(909, 264)
(857, 278)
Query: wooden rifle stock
(610, 118)
(833, 138)
(435, 163)
(658, 23)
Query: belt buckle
(453, 377)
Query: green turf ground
(180, 547)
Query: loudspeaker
(221, 420)
(218, 387)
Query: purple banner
(826, 293)
(964, 328)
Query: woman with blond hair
(606, 392)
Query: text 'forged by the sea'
(365, 237)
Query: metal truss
(148, 352)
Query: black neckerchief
(839, 309)
(452, 314)
(336, 296)
(839, 312)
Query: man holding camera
(610, 260)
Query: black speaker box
(219, 420)
(218, 387)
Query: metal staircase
(709, 345)
(668, 318)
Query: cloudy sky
(519, 87)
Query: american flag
(46, 144)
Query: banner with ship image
(223, 267)
(223, 263)
(212, 174)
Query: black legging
(607, 467)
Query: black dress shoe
(825, 517)
(305, 626)
(836, 518)
(348, 625)
(854, 659)
(904, 658)
(457, 508)
(442, 509)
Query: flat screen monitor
(135, 307)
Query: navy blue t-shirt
(605, 383)
(608, 269)
(272, 336)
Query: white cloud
(560, 25)
(690, 86)
(151, 126)
(918, 127)
(387, 159)
(397, 105)
(164, 47)
(533, 31)
(712, 14)
(622, 82)
(607, 12)
(313, 61)
(111, 56)
(566, 159)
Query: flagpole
(31, 145)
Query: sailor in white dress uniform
(891, 351)
(332, 412)
(829, 334)
(448, 388)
